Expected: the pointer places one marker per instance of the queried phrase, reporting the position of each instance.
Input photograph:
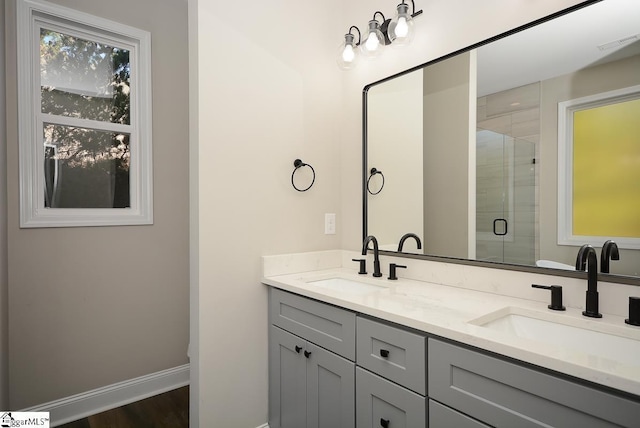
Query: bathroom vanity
(348, 350)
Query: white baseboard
(264, 426)
(109, 397)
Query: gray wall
(447, 125)
(92, 306)
(4, 319)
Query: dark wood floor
(168, 410)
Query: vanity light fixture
(397, 31)
(400, 29)
(348, 54)
(374, 39)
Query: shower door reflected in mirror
(505, 199)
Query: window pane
(85, 168)
(606, 173)
(84, 79)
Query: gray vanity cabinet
(504, 394)
(309, 385)
(332, 368)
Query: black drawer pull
(298, 349)
(307, 354)
(384, 354)
(384, 423)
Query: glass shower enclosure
(505, 199)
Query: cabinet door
(330, 389)
(287, 380)
(381, 403)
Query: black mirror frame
(621, 279)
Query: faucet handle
(556, 296)
(392, 271)
(634, 311)
(363, 266)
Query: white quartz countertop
(449, 312)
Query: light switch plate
(329, 224)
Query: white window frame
(566, 109)
(31, 15)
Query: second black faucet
(587, 259)
(376, 254)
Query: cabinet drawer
(504, 394)
(381, 403)
(443, 417)
(325, 325)
(393, 353)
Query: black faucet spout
(376, 254)
(588, 260)
(407, 236)
(609, 252)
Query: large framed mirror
(480, 153)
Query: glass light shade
(348, 53)
(400, 30)
(373, 41)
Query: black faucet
(409, 235)
(376, 254)
(587, 258)
(392, 271)
(556, 296)
(609, 252)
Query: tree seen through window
(85, 166)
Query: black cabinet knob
(298, 349)
(307, 354)
(384, 423)
(384, 353)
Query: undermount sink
(346, 286)
(616, 343)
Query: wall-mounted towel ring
(299, 164)
(375, 171)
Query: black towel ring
(299, 164)
(375, 171)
